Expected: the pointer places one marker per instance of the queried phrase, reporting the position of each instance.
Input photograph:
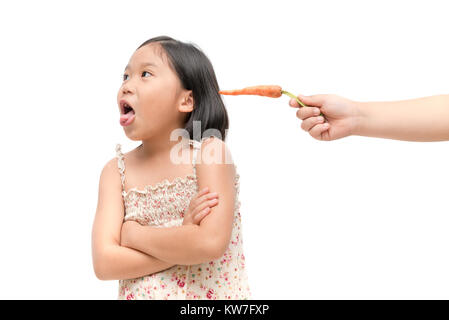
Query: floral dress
(163, 205)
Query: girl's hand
(200, 206)
(341, 116)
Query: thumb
(316, 100)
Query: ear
(187, 103)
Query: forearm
(185, 245)
(422, 119)
(117, 262)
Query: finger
(307, 112)
(208, 196)
(200, 216)
(308, 123)
(316, 100)
(318, 129)
(200, 193)
(293, 103)
(205, 204)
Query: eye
(146, 72)
(124, 76)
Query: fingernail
(326, 125)
(316, 111)
(320, 118)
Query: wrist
(359, 118)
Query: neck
(158, 146)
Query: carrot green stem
(291, 95)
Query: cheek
(158, 106)
(154, 112)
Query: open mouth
(127, 114)
(126, 108)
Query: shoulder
(111, 165)
(118, 162)
(214, 162)
(213, 150)
(112, 169)
(110, 172)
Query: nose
(126, 88)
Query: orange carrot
(266, 91)
(272, 91)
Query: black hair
(196, 73)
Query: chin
(138, 136)
(132, 135)
(134, 138)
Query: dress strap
(121, 165)
(196, 147)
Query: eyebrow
(142, 65)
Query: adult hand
(341, 116)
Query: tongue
(126, 119)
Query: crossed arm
(129, 250)
(193, 244)
(111, 261)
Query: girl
(158, 229)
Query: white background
(356, 218)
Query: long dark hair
(196, 73)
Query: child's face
(155, 93)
